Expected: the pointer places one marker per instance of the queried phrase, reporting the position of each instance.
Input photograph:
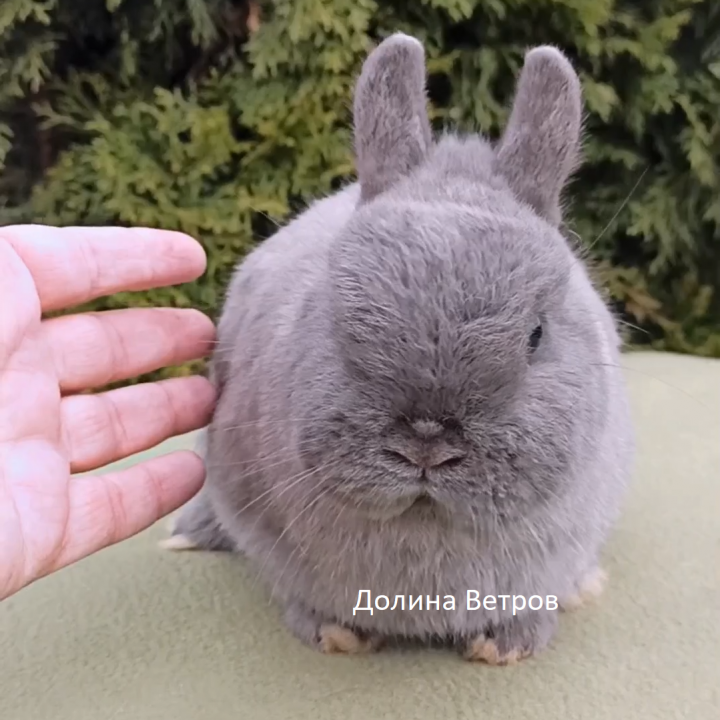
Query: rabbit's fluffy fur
(419, 386)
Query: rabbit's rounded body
(383, 424)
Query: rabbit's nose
(428, 457)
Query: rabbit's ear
(392, 130)
(540, 148)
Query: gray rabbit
(419, 386)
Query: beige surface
(137, 634)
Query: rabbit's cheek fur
(419, 386)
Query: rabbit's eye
(534, 339)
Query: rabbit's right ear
(541, 145)
(392, 130)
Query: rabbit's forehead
(445, 229)
(465, 251)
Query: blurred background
(222, 118)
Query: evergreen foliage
(223, 117)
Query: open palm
(49, 516)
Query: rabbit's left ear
(392, 130)
(540, 148)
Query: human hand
(49, 518)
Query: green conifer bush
(221, 118)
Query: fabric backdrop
(137, 633)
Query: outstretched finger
(99, 429)
(105, 509)
(73, 265)
(95, 349)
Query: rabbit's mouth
(420, 503)
(423, 501)
(423, 504)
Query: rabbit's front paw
(328, 637)
(339, 640)
(513, 639)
